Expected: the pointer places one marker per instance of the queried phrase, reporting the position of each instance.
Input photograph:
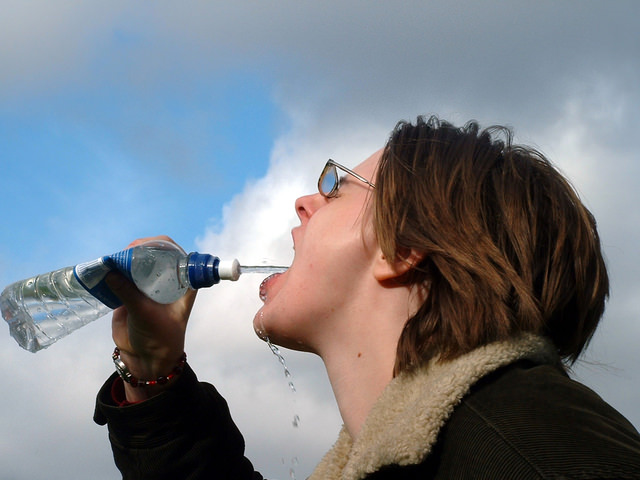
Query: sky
(205, 121)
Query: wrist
(141, 379)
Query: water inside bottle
(153, 270)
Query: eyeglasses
(329, 181)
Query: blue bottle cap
(202, 269)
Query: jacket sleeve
(185, 432)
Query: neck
(356, 386)
(360, 364)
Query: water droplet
(296, 418)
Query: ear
(405, 260)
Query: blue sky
(110, 164)
(204, 121)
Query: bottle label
(91, 275)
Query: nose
(307, 205)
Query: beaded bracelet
(128, 377)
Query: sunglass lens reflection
(329, 180)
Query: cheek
(330, 262)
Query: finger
(140, 241)
(123, 288)
(119, 330)
(190, 297)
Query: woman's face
(334, 249)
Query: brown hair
(506, 245)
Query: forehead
(369, 166)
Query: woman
(444, 282)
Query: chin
(258, 325)
(275, 336)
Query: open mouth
(264, 286)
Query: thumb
(123, 288)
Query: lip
(266, 283)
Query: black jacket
(529, 422)
(524, 419)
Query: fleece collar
(403, 425)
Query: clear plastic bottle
(45, 308)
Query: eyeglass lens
(329, 180)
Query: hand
(150, 335)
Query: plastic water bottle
(45, 308)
